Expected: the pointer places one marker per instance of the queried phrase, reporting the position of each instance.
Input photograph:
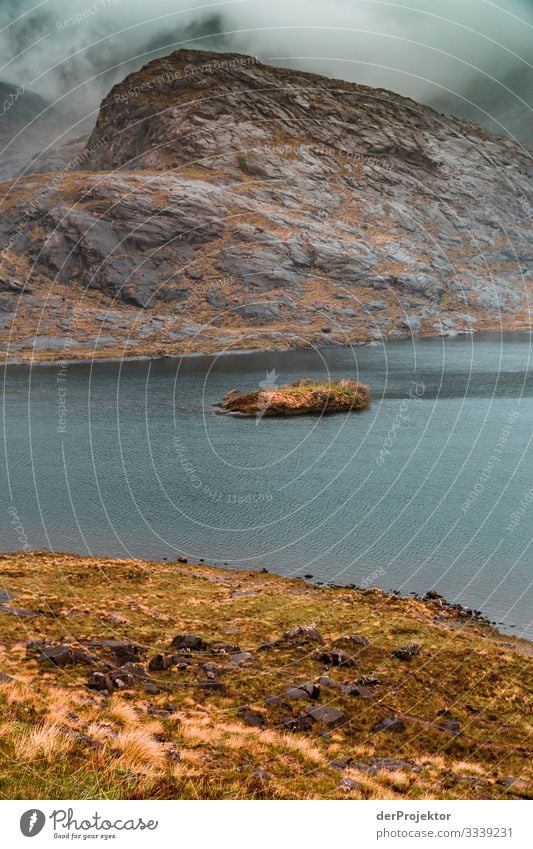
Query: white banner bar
(268, 825)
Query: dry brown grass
(75, 743)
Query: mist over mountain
(473, 59)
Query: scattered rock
(275, 701)
(349, 642)
(390, 723)
(101, 681)
(326, 681)
(5, 679)
(517, 786)
(220, 647)
(303, 691)
(336, 763)
(336, 657)
(253, 718)
(212, 686)
(189, 641)
(451, 725)
(407, 652)
(261, 774)
(161, 662)
(358, 691)
(64, 655)
(395, 765)
(241, 657)
(330, 717)
(349, 783)
(299, 723)
(86, 740)
(124, 652)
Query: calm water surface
(428, 488)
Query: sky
(470, 55)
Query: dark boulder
(349, 783)
(407, 652)
(253, 718)
(358, 691)
(336, 657)
(189, 641)
(353, 641)
(299, 723)
(452, 726)
(303, 634)
(390, 723)
(329, 716)
(123, 651)
(212, 686)
(64, 655)
(303, 691)
(101, 681)
(162, 662)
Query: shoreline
(66, 357)
(463, 613)
(171, 680)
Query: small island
(303, 397)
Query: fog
(471, 55)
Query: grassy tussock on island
(299, 398)
(127, 679)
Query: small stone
(64, 655)
(358, 691)
(221, 647)
(329, 683)
(390, 723)
(161, 662)
(304, 634)
(352, 640)
(303, 691)
(299, 723)
(349, 783)
(337, 657)
(368, 681)
(336, 763)
(241, 657)
(183, 559)
(189, 641)
(407, 652)
(329, 716)
(124, 651)
(100, 681)
(253, 718)
(261, 774)
(451, 725)
(213, 686)
(275, 701)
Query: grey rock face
(376, 198)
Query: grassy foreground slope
(273, 688)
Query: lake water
(431, 487)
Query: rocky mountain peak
(242, 204)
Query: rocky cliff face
(224, 203)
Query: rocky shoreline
(175, 680)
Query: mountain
(222, 203)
